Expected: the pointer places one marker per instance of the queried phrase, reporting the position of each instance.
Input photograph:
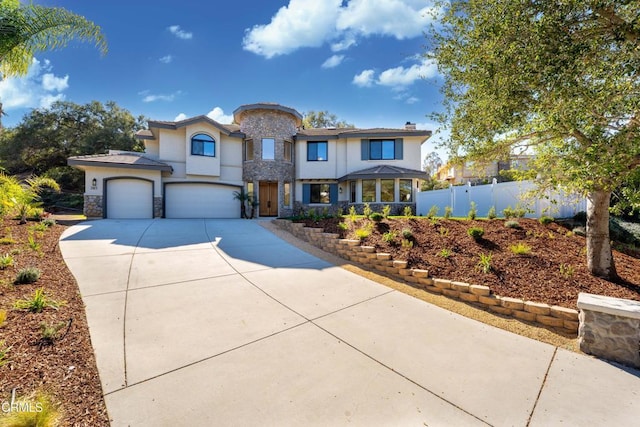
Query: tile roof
(384, 171)
(335, 133)
(119, 160)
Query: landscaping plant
(520, 249)
(433, 212)
(46, 413)
(448, 210)
(386, 211)
(408, 212)
(492, 213)
(27, 275)
(38, 302)
(475, 233)
(6, 261)
(366, 211)
(484, 264)
(4, 351)
(473, 211)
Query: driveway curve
(220, 322)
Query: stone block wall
(92, 206)
(561, 318)
(157, 207)
(610, 328)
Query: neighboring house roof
(237, 113)
(122, 160)
(384, 171)
(318, 134)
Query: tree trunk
(599, 256)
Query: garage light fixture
(94, 184)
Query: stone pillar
(157, 207)
(92, 206)
(610, 328)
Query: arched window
(203, 145)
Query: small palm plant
(243, 198)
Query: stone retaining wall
(610, 328)
(561, 318)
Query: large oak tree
(559, 78)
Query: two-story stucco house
(191, 168)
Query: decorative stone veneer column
(157, 207)
(610, 328)
(92, 206)
(259, 123)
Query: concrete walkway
(219, 322)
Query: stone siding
(553, 317)
(262, 123)
(610, 328)
(93, 206)
(157, 207)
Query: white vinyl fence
(500, 195)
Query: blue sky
(360, 59)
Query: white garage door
(129, 198)
(200, 201)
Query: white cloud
(333, 61)
(218, 115)
(180, 33)
(401, 19)
(303, 23)
(180, 117)
(166, 59)
(160, 97)
(52, 83)
(398, 78)
(412, 100)
(311, 23)
(364, 79)
(38, 89)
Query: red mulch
(65, 369)
(534, 277)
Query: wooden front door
(268, 198)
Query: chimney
(410, 126)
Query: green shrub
(363, 233)
(567, 270)
(34, 244)
(520, 249)
(508, 212)
(512, 224)
(444, 232)
(444, 253)
(3, 317)
(407, 233)
(376, 217)
(580, 231)
(39, 227)
(6, 261)
(448, 210)
(7, 241)
(473, 211)
(50, 333)
(475, 233)
(484, 264)
(407, 244)
(38, 302)
(27, 275)
(433, 212)
(386, 211)
(545, 220)
(389, 236)
(352, 213)
(407, 211)
(343, 226)
(492, 213)
(366, 211)
(519, 212)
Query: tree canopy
(27, 28)
(557, 78)
(45, 138)
(323, 119)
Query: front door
(268, 198)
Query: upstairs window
(288, 151)
(268, 149)
(203, 145)
(248, 149)
(317, 151)
(382, 149)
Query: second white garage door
(196, 200)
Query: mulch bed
(64, 368)
(554, 272)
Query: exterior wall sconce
(340, 190)
(94, 184)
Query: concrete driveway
(220, 322)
